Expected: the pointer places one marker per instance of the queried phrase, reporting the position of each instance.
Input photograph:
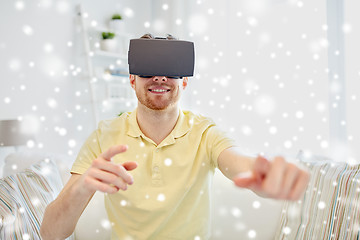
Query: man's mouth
(159, 90)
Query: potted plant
(117, 23)
(108, 43)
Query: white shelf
(104, 29)
(113, 89)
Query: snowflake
(26, 236)
(299, 114)
(72, 143)
(321, 205)
(255, 7)
(7, 100)
(236, 212)
(256, 204)
(273, 130)
(48, 47)
(45, 3)
(161, 197)
(15, 64)
(240, 226)
(288, 144)
(246, 130)
(21, 210)
(165, 7)
(45, 170)
(30, 144)
(167, 162)
(105, 224)
(62, 131)
(52, 103)
(287, 230)
(222, 211)
(28, 30)
(252, 233)
(22, 87)
(146, 24)
(252, 21)
(321, 107)
(128, 12)
(324, 144)
(19, 5)
(264, 105)
(35, 201)
(347, 28)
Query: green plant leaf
(116, 16)
(108, 35)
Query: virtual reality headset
(161, 57)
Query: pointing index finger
(261, 166)
(114, 150)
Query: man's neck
(157, 124)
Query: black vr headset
(161, 57)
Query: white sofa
(330, 207)
(94, 217)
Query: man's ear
(185, 82)
(132, 80)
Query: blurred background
(280, 76)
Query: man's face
(158, 92)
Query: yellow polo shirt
(170, 197)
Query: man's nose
(160, 79)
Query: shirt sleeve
(217, 141)
(88, 152)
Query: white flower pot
(109, 45)
(117, 25)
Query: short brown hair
(150, 36)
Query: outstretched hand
(274, 179)
(106, 176)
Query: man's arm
(62, 215)
(275, 179)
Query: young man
(155, 165)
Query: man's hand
(274, 179)
(106, 176)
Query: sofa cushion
(24, 197)
(94, 216)
(330, 207)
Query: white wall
(261, 74)
(352, 71)
(257, 72)
(249, 94)
(29, 90)
(37, 66)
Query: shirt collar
(133, 127)
(181, 128)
